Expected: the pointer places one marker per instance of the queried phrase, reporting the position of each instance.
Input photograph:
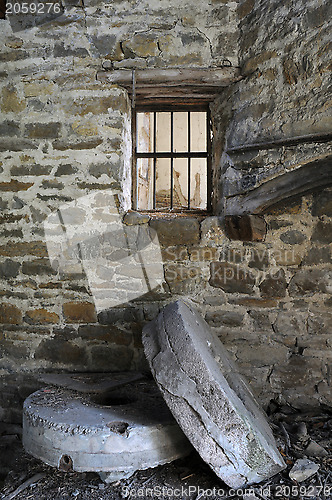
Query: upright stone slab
(208, 397)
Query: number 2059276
(32, 8)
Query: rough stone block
(293, 237)
(61, 352)
(42, 130)
(40, 317)
(110, 357)
(245, 227)
(37, 267)
(21, 249)
(174, 231)
(212, 231)
(31, 170)
(9, 128)
(14, 185)
(231, 278)
(183, 279)
(310, 281)
(10, 314)
(322, 232)
(224, 318)
(9, 268)
(274, 285)
(208, 397)
(79, 312)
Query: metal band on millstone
(114, 434)
(208, 397)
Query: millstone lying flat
(115, 433)
(208, 397)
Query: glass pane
(198, 131)
(163, 134)
(180, 135)
(198, 183)
(180, 183)
(144, 132)
(163, 183)
(144, 183)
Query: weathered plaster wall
(65, 135)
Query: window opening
(172, 159)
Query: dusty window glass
(172, 160)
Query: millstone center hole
(66, 463)
(112, 400)
(118, 427)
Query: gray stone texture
(209, 398)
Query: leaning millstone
(208, 397)
(115, 433)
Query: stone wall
(284, 54)
(65, 135)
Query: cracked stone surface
(114, 433)
(210, 400)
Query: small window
(172, 160)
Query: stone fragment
(293, 237)
(302, 470)
(114, 433)
(315, 450)
(133, 218)
(209, 398)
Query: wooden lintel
(172, 77)
(301, 180)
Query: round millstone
(114, 433)
(208, 397)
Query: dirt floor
(188, 478)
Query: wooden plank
(245, 227)
(302, 180)
(213, 77)
(286, 141)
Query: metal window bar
(189, 161)
(172, 159)
(154, 158)
(172, 155)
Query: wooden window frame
(154, 108)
